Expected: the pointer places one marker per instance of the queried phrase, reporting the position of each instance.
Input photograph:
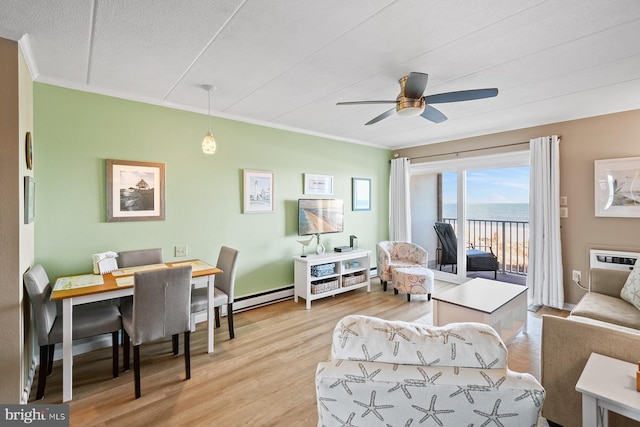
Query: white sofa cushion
(631, 290)
(462, 345)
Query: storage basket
(324, 286)
(353, 279)
(323, 269)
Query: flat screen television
(320, 216)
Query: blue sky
(504, 185)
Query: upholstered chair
(390, 255)
(88, 320)
(140, 257)
(224, 289)
(397, 373)
(161, 308)
(477, 260)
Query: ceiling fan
(412, 102)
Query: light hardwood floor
(263, 377)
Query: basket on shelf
(353, 279)
(327, 285)
(323, 269)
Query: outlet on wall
(180, 251)
(577, 276)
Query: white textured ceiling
(285, 63)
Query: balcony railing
(509, 241)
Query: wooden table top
(110, 280)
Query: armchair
(390, 255)
(477, 260)
(397, 373)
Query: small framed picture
(258, 191)
(361, 194)
(29, 199)
(135, 191)
(617, 187)
(321, 185)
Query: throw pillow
(631, 290)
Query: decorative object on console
(361, 194)
(617, 187)
(258, 191)
(319, 246)
(135, 191)
(209, 142)
(305, 243)
(353, 241)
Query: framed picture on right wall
(617, 187)
(361, 194)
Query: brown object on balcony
(477, 260)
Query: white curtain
(399, 201)
(544, 277)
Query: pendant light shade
(209, 142)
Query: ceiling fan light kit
(411, 101)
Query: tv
(320, 216)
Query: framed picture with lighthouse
(258, 191)
(135, 191)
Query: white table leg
(589, 411)
(210, 312)
(67, 349)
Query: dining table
(79, 289)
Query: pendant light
(209, 142)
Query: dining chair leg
(116, 351)
(230, 320)
(44, 365)
(187, 354)
(52, 348)
(217, 316)
(126, 345)
(176, 343)
(136, 369)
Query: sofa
(601, 323)
(397, 373)
(390, 255)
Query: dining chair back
(224, 289)
(140, 257)
(88, 320)
(161, 308)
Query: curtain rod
(471, 150)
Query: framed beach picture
(617, 187)
(320, 185)
(135, 191)
(258, 191)
(361, 194)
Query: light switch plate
(564, 212)
(181, 251)
(563, 200)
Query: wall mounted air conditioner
(612, 260)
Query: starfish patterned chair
(390, 255)
(396, 373)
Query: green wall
(75, 132)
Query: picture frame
(617, 187)
(258, 191)
(135, 191)
(29, 199)
(361, 194)
(319, 185)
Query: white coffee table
(608, 384)
(503, 306)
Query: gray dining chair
(140, 257)
(161, 308)
(224, 289)
(88, 320)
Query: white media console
(319, 276)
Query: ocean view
(490, 211)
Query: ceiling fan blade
(415, 85)
(381, 116)
(365, 102)
(463, 95)
(433, 114)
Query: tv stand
(351, 270)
